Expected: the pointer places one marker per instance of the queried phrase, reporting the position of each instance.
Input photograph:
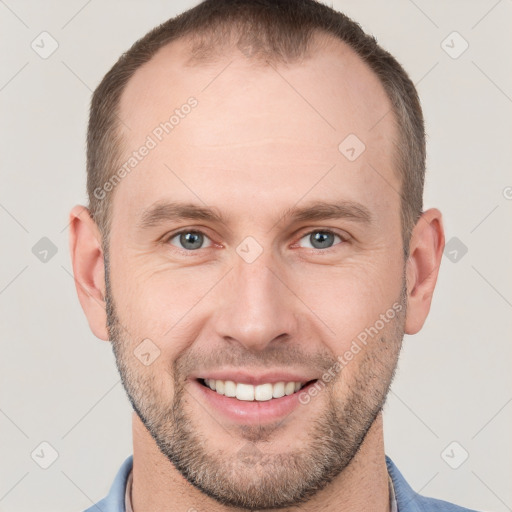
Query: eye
(320, 239)
(190, 240)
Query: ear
(425, 253)
(88, 268)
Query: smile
(249, 393)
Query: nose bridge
(255, 308)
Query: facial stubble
(251, 478)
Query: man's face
(258, 297)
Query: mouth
(265, 400)
(264, 392)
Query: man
(255, 249)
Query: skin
(251, 149)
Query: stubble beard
(251, 478)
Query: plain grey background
(58, 383)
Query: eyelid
(344, 236)
(186, 229)
(166, 239)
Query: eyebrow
(164, 211)
(321, 210)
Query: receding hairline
(188, 51)
(300, 33)
(181, 52)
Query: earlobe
(426, 251)
(88, 268)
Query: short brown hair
(273, 30)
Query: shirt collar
(128, 494)
(393, 505)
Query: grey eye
(320, 239)
(189, 240)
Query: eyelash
(343, 239)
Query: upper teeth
(249, 392)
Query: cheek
(170, 305)
(161, 303)
(350, 299)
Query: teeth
(230, 388)
(244, 392)
(249, 393)
(263, 392)
(278, 390)
(289, 388)
(219, 386)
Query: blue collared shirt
(407, 500)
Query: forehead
(332, 82)
(255, 125)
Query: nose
(256, 306)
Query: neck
(157, 484)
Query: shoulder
(114, 501)
(410, 501)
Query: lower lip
(253, 412)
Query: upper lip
(255, 378)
